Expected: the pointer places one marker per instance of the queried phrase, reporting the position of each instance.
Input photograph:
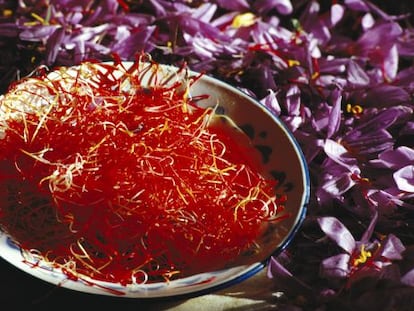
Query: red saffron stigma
(122, 183)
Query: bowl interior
(282, 159)
(281, 155)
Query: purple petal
(335, 115)
(135, 43)
(293, 123)
(336, 266)
(132, 20)
(89, 33)
(408, 129)
(340, 155)
(387, 95)
(393, 248)
(337, 13)
(336, 231)
(406, 44)
(336, 185)
(160, 9)
(101, 49)
(404, 178)
(384, 201)
(74, 18)
(371, 136)
(224, 20)
(333, 66)
(356, 75)
(408, 278)
(357, 5)
(374, 38)
(204, 47)
(54, 44)
(370, 229)
(367, 21)
(320, 117)
(164, 8)
(391, 63)
(271, 102)
(38, 33)
(327, 118)
(205, 12)
(234, 5)
(275, 269)
(328, 81)
(293, 100)
(405, 77)
(312, 23)
(368, 143)
(282, 6)
(382, 120)
(311, 145)
(395, 158)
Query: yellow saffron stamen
(7, 13)
(244, 20)
(39, 18)
(363, 256)
(315, 75)
(354, 109)
(293, 62)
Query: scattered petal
(395, 158)
(335, 230)
(404, 178)
(393, 248)
(282, 6)
(336, 266)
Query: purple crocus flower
(366, 257)
(72, 31)
(397, 175)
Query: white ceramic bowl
(282, 159)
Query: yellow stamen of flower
(293, 62)
(363, 256)
(354, 109)
(39, 18)
(244, 20)
(315, 75)
(7, 13)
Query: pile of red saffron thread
(108, 179)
